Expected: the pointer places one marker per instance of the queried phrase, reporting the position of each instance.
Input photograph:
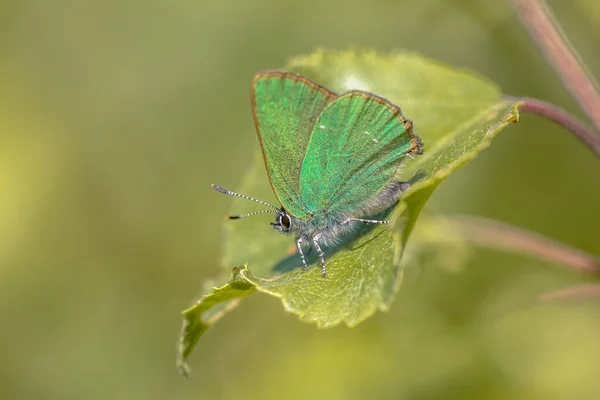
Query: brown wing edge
(417, 145)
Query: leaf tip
(184, 369)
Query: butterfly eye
(285, 221)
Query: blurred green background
(115, 116)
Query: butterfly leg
(299, 246)
(366, 221)
(315, 243)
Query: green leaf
(455, 112)
(211, 307)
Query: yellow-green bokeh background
(115, 116)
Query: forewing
(357, 144)
(285, 107)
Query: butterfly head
(283, 221)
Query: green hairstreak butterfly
(331, 158)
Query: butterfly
(331, 158)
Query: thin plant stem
(538, 20)
(585, 134)
(582, 291)
(501, 236)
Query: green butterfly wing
(356, 146)
(285, 108)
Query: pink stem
(536, 17)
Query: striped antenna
(230, 193)
(251, 214)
